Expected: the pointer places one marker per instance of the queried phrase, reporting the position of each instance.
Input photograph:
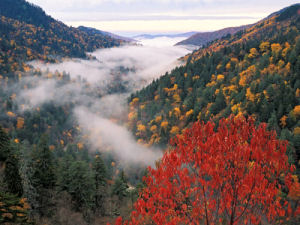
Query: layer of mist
(99, 88)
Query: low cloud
(98, 91)
(106, 135)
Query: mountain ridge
(28, 33)
(202, 38)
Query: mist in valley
(99, 89)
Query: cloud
(132, 63)
(95, 95)
(108, 136)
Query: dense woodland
(27, 33)
(255, 72)
(48, 175)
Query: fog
(99, 89)
(107, 135)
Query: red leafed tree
(229, 175)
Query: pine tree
(120, 186)
(100, 175)
(4, 145)
(43, 177)
(82, 185)
(11, 174)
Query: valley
(157, 128)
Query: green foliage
(11, 174)
(4, 145)
(82, 184)
(120, 186)
(100, 177)
(43, 176)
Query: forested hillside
(50, 171)
(27, 33)
(254, 72)
(47, 175)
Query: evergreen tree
(26, 172)
(120, 186)
(11, 174)
(4, 145)
(100, 175)
(82, 185)
(43, 177)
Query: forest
(227, 116)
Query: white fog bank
(132, 66)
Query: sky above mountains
(131, 17)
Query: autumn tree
(230, 174)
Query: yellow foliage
(132, 115)
(174, 130)
(297, 93)
(10, 114)
(228, 66)
(17, 141)
(158, 119)
(51, 147)
(297, 130)
(176, 98)
(253, 53)
(62, 142)
(134, 102)
(141, 128)
(220, 77)
(176, 111)
(213, 78)
(156, 97)
(246, 75)
(297, 110)
(189, 113)
(236, 108)
(164, 124)
(283, 121)
(264, 46)
(211, 84)
(153, 128)
(20, 123)
(249, 95)
(276, 48)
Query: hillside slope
(93, 31)
(255, 72)
(200, 39)
(27, 33)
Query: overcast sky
(129, 17)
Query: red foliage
(229, 176)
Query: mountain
(27, 33)
(152, 36)
(93, 31)
(253, 72)
(200, 39)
